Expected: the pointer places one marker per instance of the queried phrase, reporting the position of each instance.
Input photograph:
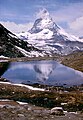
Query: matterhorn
(49, 37)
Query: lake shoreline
(74, 60)
(54, 95)
(38, 104)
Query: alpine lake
(45, 72)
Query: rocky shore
(11, 110)
(18, 102)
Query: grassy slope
(74, 60)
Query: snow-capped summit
(49, 37)
(44, 22)
(43, 28)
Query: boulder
(57, 111)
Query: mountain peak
(44, 14)
(49, 37)
(44, 21)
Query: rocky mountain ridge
(12, 46)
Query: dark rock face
(3, 67)
(34, 29)
(9, 43)
(37, 27)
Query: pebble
(20, 115)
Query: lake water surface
(43, 72)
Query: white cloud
(70, 17)
(15, 28)
(42, 13)
(76, 26)
(68, 13)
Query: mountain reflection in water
(45, 72)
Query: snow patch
(31, 53)
(70, 37)
(44, 34)
(6, 100)
(26, 86)
(21, 103)
(24, 52)
(3, 56)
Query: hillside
(74, 60)
(12, 46)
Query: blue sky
(19, 15)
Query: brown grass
(44, 99)
(74, 60)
